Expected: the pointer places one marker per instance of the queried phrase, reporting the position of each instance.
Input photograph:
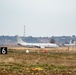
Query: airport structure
(59, 40)
(24, 31)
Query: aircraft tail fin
(19, 40)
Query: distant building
(60, 40)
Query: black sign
(3, 50)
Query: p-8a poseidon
(38, 45)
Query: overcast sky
(40, 17)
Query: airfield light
(27, 51)
(44, 51)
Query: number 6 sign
(3, 50)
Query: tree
(52, 40)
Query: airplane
(71, 43)
(38, 45)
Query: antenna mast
(24, 30)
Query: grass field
(55, 61)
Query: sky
(41, 18)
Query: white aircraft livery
(71, 44)
(38, 45)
